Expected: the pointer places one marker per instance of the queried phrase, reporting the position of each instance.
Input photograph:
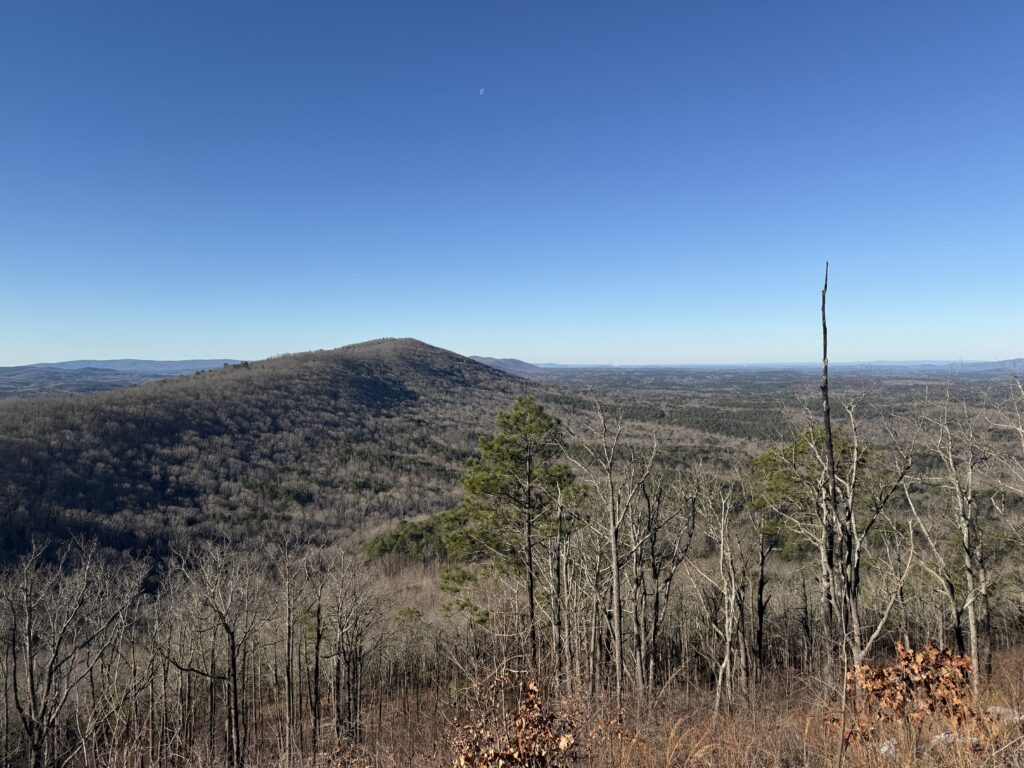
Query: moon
(482, 91)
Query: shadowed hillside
(331, 438)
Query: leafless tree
(227, 587)
(616, 473)
(62, 620)
(955, 440)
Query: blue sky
(555, 181)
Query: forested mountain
(330, 438)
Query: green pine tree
(512, 491)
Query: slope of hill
(77, 376)
(331, 438)
(509, 364)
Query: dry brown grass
(789, 723)
(919, 711)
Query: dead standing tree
(832, 489)
(851, 512)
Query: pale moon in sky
(482, 91)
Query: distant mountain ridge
(163, 367)
(81, 376)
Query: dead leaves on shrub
(920, 686)
(531, 737)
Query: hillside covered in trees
(334, 439)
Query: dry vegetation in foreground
(917, 710)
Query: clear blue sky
(575, 182)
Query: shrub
(531, 737)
